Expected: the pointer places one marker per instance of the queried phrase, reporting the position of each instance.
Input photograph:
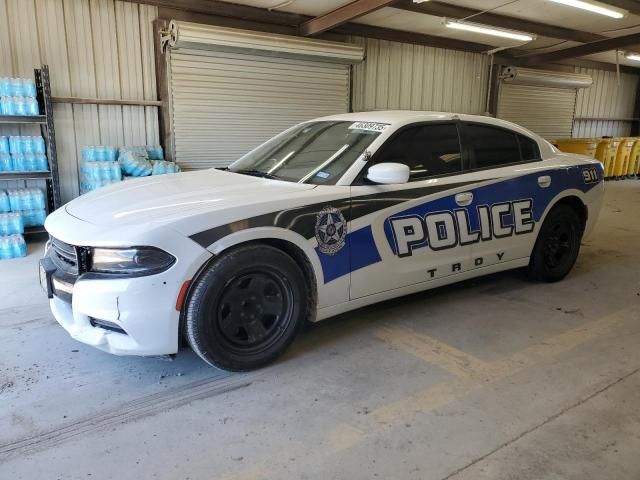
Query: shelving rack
(45, 121)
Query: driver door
(408, 234)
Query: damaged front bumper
(134, 316)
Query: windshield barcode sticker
(369, 126)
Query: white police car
(330, 215)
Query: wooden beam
(632, 6)
(582, 50)
(106, 101)
(440, 9)
(341, 15)
(402, 36)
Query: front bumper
(142, 308)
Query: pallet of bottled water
(101, 171)
(11, 223)
(17, 97)
(12, 246)
(99, 153)
(29, 202)
(23, 154)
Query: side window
(528, 149)
(490, 146)
(427, 150)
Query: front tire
(246, 308)
(557, 246)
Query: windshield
(316, 152)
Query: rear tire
(247, 308)
(557, 246)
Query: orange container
(634, 160)
(582, 146)
(622, 156)
(606, 153)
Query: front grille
(65, 256)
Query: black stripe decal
(302, 220)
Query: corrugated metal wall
(415, 77)
(605, 99)
(94, 49)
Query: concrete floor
(496, 378)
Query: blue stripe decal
(363, 253)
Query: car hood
(163, 199)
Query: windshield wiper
(258, 173)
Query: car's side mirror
(389, 173)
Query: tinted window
(492, 147)
(528, 148)
(428, 150)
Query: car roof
(402, 117)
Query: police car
(330, 215)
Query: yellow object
(581, 146)
(606, 153)
(622, 156)
(634, 159)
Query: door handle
(544, 181)
(464, 199)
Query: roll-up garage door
(546, 111)
(541, 100)
(231, 90)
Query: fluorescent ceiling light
(633, 56)
(496, 32)
(592, 7)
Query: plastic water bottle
(112, 154)
(4, 145)
(6, 106)
(39, 145)
(88, 154)
(5, 87)
(29, 87)
(6, 164)
(116, 171)
(5, 206)
(20, 106)
(31, 106)
(155, 152)
(5, 248)
(42, 164)
(27, 145)
(16, 88)
(37, 198)
(15, 146)
(16, 200)
(17, 162)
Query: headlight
(135, 261)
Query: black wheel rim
(558, 245)
(253, 311)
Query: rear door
(510, 178)
(410, 233)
